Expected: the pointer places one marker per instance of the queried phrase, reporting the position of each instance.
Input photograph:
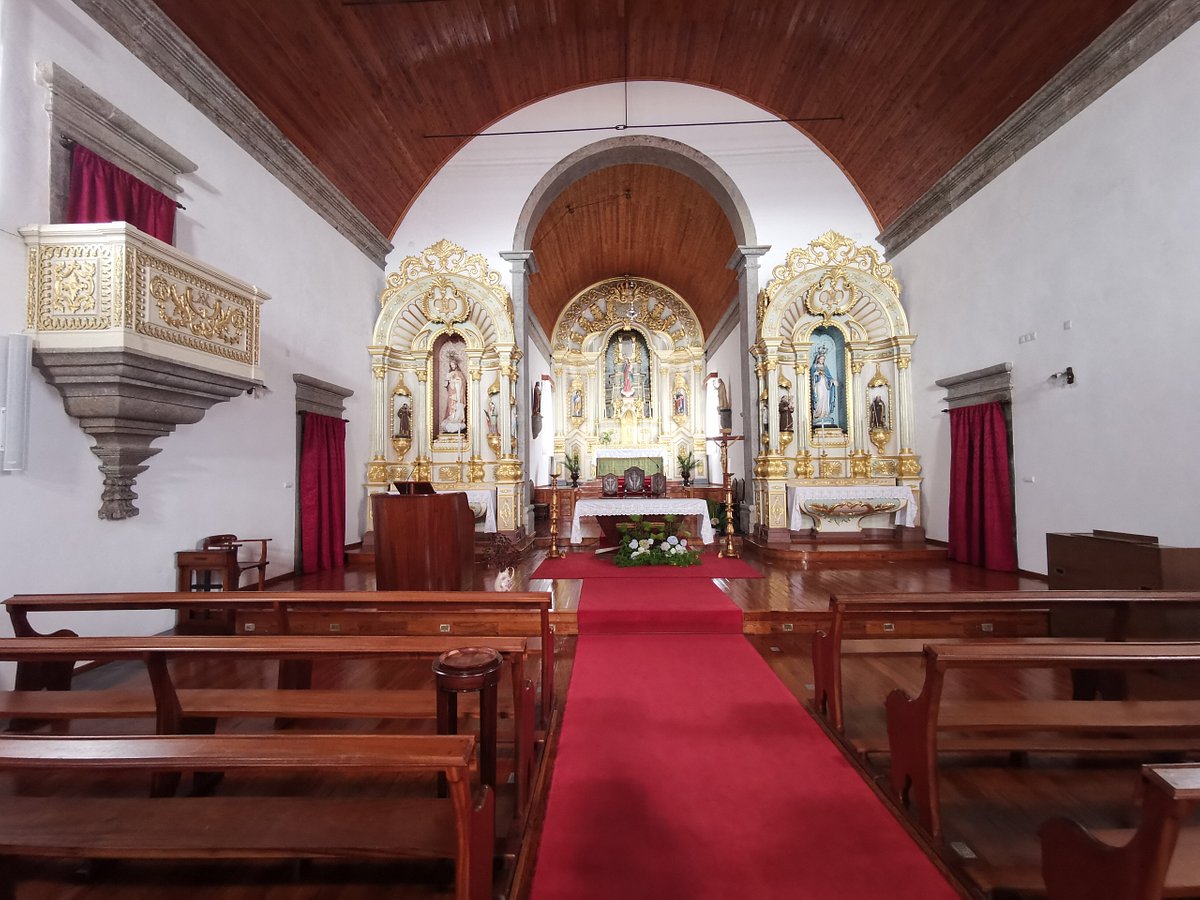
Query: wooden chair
(658, 485)
(635, 480)
(233, 542)
(609, 485)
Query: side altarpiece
(445, 366)
(831, 356)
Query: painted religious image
(452, 387)
(828, 403)
(577, 404)
(680, 401)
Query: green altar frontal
(616, 465)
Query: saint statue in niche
(577, 405)
(404, 420)
(786, 412)
(453, 405)
(535, 419)
(680, 401)
(878, 415)
(826, 387)
(493, 422)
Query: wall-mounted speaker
(16, 358)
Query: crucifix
(723, 441)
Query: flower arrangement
(687, 465)
(654, 544)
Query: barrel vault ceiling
(916, 84)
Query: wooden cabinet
(1111, 560)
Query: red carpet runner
(687, 770)
(682, 605)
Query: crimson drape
(323, 493)
(100, 192)
(981, 504)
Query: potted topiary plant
(572, 465)
(687, 465)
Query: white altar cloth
(486, 499)
(649, 506)
(906, 515)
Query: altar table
(650, 506)
(902, 494)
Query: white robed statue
(454, 407)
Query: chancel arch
(832, 358)
(631, 354)
(445, 364)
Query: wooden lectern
(423, 542)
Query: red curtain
(323, 493)
(100, 192)
(981, 503)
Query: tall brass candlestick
(723, 441)
(554, 553)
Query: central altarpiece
(629, 354)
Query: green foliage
(571, 462)
(687, 462)
(655, 544)
(716, 515)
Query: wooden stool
(470, 669)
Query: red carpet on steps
(587, 565)
(680, 605)
(687, 770)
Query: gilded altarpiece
(631, 353)
(832, 356)
(445, 366)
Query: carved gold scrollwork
(74, 287)
(199, 314)
(832, 295)
(445, 303)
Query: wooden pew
(889, 623)
(921, 729)
(254, 827)
(1161, 858)
(177, 710)
(504, 613)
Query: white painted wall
(1096, 226)
(731, 362)
(235, 470)
(794, 191)
(541, 448)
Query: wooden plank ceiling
(360, 85)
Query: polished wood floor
(993, 814)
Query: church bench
(894, 623)
(178, 709)
(510, 613)
(306, 826)
(1160, 858)
(921, 729)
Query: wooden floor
(788, 594)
